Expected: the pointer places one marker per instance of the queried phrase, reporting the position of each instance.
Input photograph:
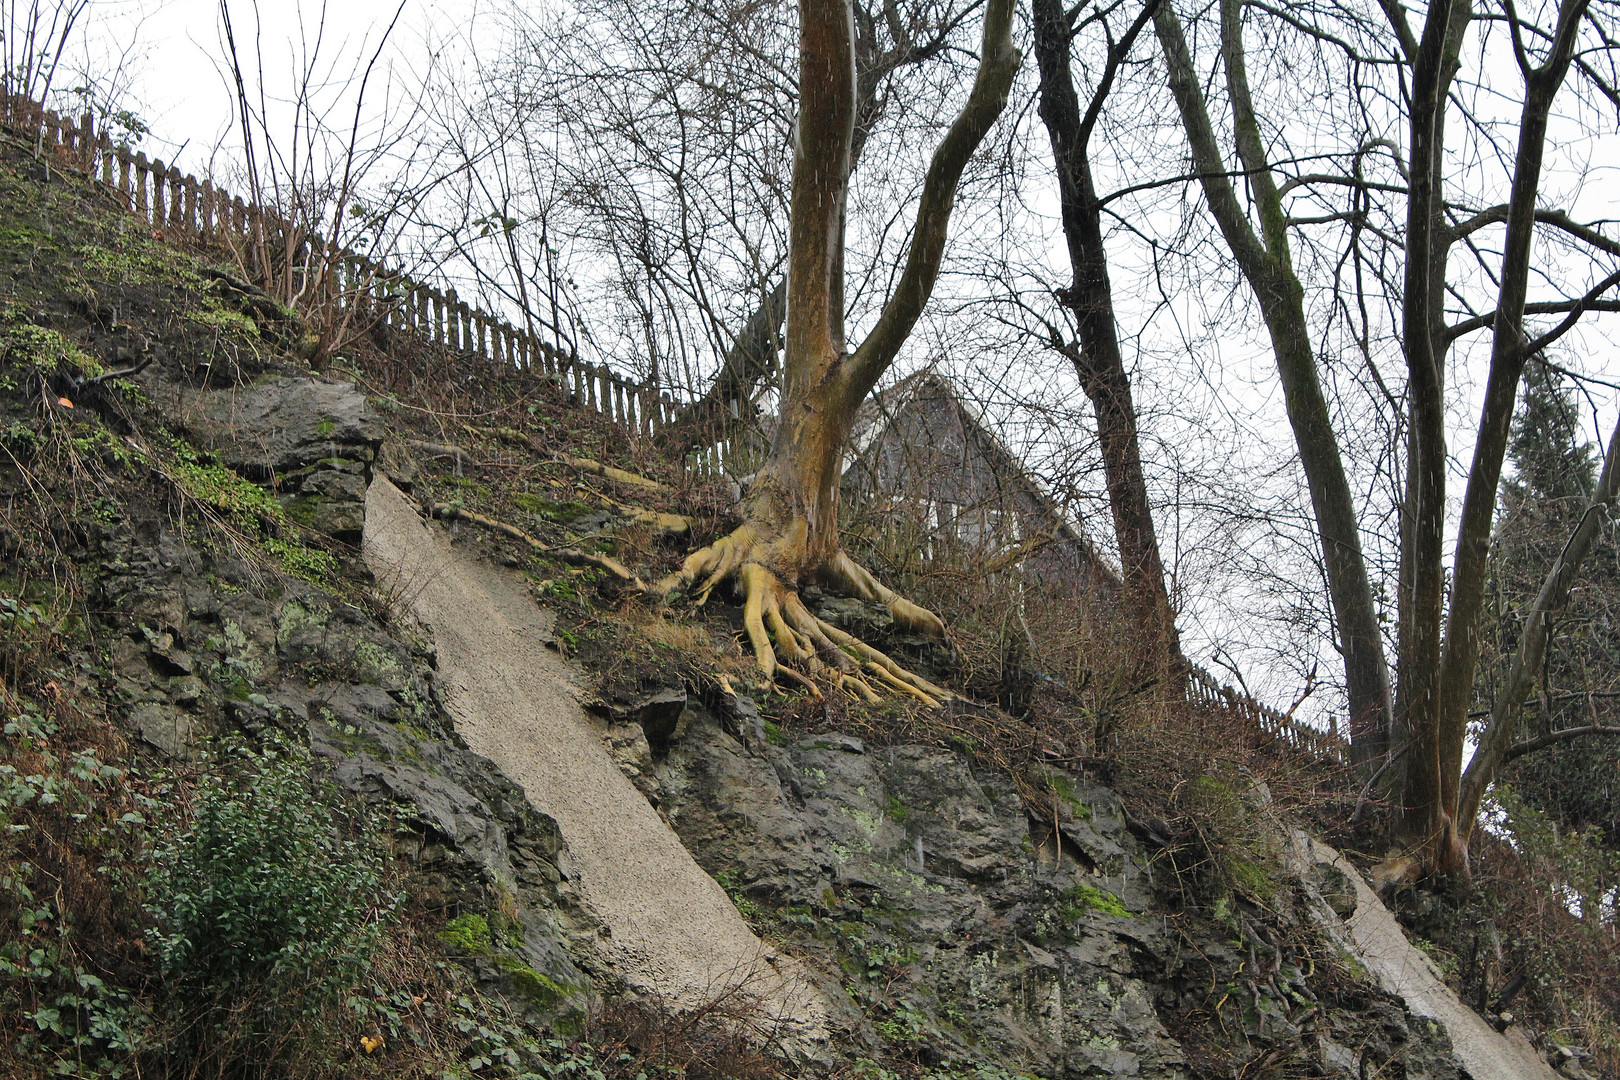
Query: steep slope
(673, 931)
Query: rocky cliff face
(961, 931)
(955, 932)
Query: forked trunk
(793, 501)
(789, 533)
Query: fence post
(123, 188)
(143, 192)
(205, 209)
(160, 177)
(178, 197)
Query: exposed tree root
(788, 639)
(564, 553)
(596, 468)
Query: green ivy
(264, 903)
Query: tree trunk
(1422, 818)
(1097, 360)
(1508, 355)
(789, 533)
(752, 358)
(1437, 674)
(1267, 265)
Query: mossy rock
(469, 933)
(1084, 898)
(534, 987)
(562, 512)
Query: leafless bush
(329, 170)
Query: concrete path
(674, 932)
(1372, 935)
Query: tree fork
(789, 533)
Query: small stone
(165, 727)
(849, 744)
(186, 690)
(658, 715)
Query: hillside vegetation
(242, 838)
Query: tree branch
(1206, 154)
(998, 63)
(1558, 307)
(1530, 746)
(1577, 309)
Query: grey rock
(1336, 888)
(338, 484)
(166, 728)
(658, 714)
(477, 832)
(187, 690)
(394, 461)
(972, 941)
(847, 743)
(283, 424)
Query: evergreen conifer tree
(1576, 783)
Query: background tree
(1094, 349)
(1437, 633)
(790, 530)
(1265, 257)
(1576, 783)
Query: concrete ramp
(1373, 937)
(674, 932)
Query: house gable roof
(925, 392)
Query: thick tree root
(789, 640)
(596, 468)
(563, 553)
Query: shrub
(267, 911)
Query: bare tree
(1266, 259)
(646, 151)
(33, 38)
(790, 530)
(307, 163)
(1437, 629)
(1095, 353)
(1439, 678)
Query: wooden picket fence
(1275, 726)
(176, 204)
(179, 205)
